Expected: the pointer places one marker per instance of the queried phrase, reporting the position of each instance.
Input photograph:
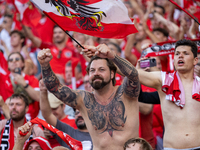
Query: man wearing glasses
(23, 83)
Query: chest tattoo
(106, 118)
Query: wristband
(26, 86)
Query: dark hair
(185, 42)
(110, 64)
(22, 58)
(162, 30)
(144, 144)
(116, 45)
(22, 36)
(159, 6)
(21, 96)
(8, 15)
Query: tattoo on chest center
(106, 118)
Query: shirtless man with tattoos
(110, 112)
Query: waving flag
(101, 18)
(73, 143)
(29, 14)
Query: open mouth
(180, 62)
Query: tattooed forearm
(125, 67)
(131, 83)
(52, 83)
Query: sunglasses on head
(11, 59)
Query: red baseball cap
(44, 144)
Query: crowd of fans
(156, 21)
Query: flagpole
(64, 30)
(184, 11)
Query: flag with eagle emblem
(101, 18)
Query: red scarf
(74, 144)
(7, 136)
(173, 88)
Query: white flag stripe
(116, 11)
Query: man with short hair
(61, 49)
(178, 92)
(110, 112)
(18, 107)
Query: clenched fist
(44, 57)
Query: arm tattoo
(62, 92)
(131, 82)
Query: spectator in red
(23, 83)
(61, 49)
(18, 106)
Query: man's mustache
(97, 77)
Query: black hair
(162, 30)
(185, 42)
(110, 64)
(21, 96)
(163, 9)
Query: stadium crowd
(26, 88)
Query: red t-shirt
(59, 60)
(33, 107)
(44, 29)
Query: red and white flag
(101, 18)
(29, 14)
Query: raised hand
(42, 85)
(44, 57)
(101, 50)
(27, 127)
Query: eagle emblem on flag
(87, 17)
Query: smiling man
(179, 98)
(111, 113)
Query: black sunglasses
(11, 59)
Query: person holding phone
(23, 83)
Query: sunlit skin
(184, 60)
(100, 69)
(17, 108)
(133, 146)
(34, 146)
(59, 36)
(15, 64)
(15, 40)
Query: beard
(80, 125)
(17, 117)
(99, 84)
